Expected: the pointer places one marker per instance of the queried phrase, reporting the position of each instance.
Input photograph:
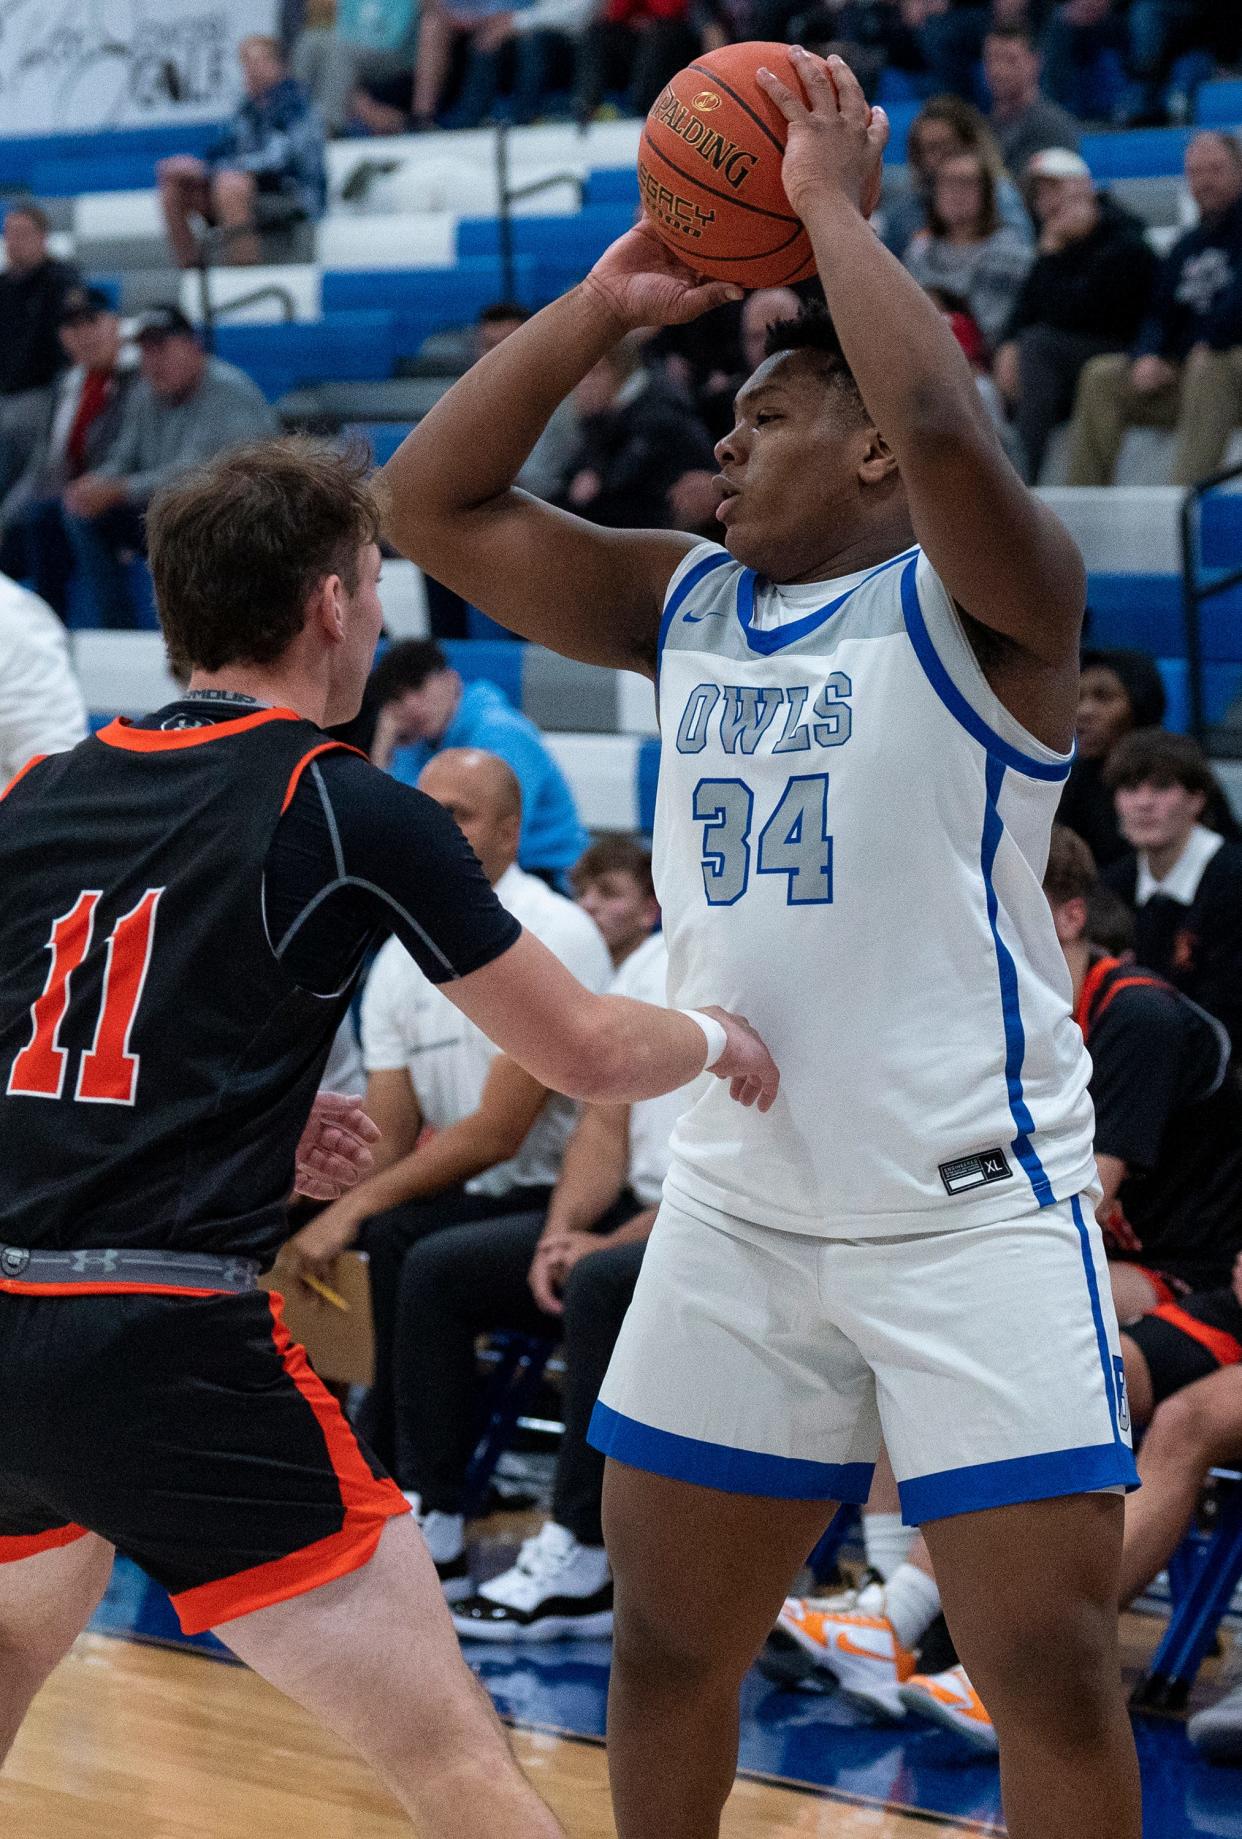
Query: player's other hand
(746, 1063)
(313, 1251)
(334, 1153)
(835, 142)
(642, 283)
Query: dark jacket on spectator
(1101, 285)
(279, 139)
(1199, 947)
(1199, 292)
(31, 354)
(639, 447)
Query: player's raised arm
(1005, 558)
(585, 591)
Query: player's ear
(328, 607)
(879, 462)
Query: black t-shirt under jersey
(1166, 1106)
(183, 925)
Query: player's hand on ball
(835, 140)
(642, 283)
(334, 1153)
(745, 1063)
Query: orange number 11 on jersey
(108, 1073)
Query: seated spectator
(1087, 293)
(370, 42)
(694, 497)
(1185, 371)
(497, 1135)
(266, 167)
(966, 250)
(33, 286)
(1023, 121)
(571, 1275)
(425, 708)
(546, 462)
(1083, 47)
(1160, 32)
(41, 706)
(185, 408)
(635, 46)
(82, 422)
(637, 438)
(943, 127)
(1182, 880)
(1118, 691)
(531, 41)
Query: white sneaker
(950, 1699)
(557, 1589)
(1216, 1731)
(445, 1534)
(862, 1653)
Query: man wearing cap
(1185, 369)
(81, 425)
(1087, 293)
(185, 408)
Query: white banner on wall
(68, 66)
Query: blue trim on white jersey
(951, 696)
(980, 1486)
(1097, 1316)
(779, 637)
(676, 599)
(1011, 1011)
(716, 1465)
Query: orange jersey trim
(123, 734)
(1222, 1347)
(1085, 1013)
(26, 1545)
(15, 1287)
(296, 775)
(21, 773)
(1165, 1293)
(369, 1501)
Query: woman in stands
(966, 250)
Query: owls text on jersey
(850, 838)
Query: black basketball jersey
(157, 1061)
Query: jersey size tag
(975, 1171)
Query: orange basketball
(709, 170)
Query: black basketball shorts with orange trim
(192, 1434)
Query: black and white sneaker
(558, 1589)
(445, 1537)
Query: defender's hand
(835, 141)
(745, 1063)
(334, 1153)
(642, 283)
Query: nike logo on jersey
(791, 719)
(692, 619)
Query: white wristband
(714, 1033)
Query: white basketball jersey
(850, 838)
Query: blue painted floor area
(812, 1741)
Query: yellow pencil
(326, 1291)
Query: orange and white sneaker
(861, 1652)
(951, 1700)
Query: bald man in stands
(496, 1136)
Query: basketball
(709, 170)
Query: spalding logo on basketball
(709, 170)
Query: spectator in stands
(185, 407)
(1083, 47)
(1160, 32)
(41, 707)
(531, 38)
(694, 497)
(638, 437)
(1118, 691)
(1023, 121)
(571, 1274)
(548, 458)
(370, 42)
(636, 46)
(943, 127)
(266, 168)
(1087, 293)
(82, 421)
(966, 250)
(497, 1135)
(32, 290)
(425, 708)
(1182, 879)
(1185, 371)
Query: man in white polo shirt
(496, 1136)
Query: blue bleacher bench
(1137, 153)
(355, 347)
(426, 300)
(104, 160)
(1219, 104)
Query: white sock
(911, 1603)
(445, 1534)
(886, 1542)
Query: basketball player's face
(789, 470)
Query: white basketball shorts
(774, 1363)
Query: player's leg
(1134, 1293)
(1030, 1593)
(45, 1602)
(699, 1577)
(1192, 1432)
(373, 1654)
